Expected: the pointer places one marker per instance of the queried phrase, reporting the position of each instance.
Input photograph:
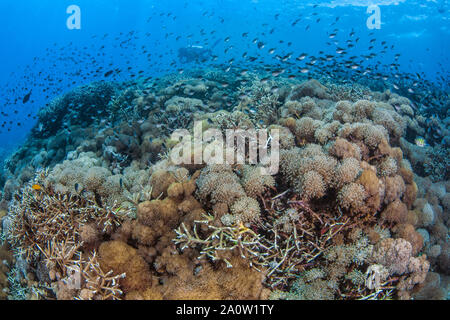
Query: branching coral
(48, 226)
(41, 216)
(279, 249)
(334, 280)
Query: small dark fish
(295, 22)
(27, 97)
(107, 74)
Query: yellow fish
(420, 142)
(36, 187)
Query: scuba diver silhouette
(196, 54)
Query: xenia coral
(220, 184)
(351, 197)
(317, 170)
(254, 182)
(245, 209)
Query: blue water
(39, 52)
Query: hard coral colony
(111, 217)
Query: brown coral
(396, 212)
(160, 181)
(395, 188)
(254, 182)
(407, 232)
(158, 211)
(122, 258)
(245, 209)
(342, 149)
(351, 197)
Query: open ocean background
(36, 44)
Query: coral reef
(96, 209)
